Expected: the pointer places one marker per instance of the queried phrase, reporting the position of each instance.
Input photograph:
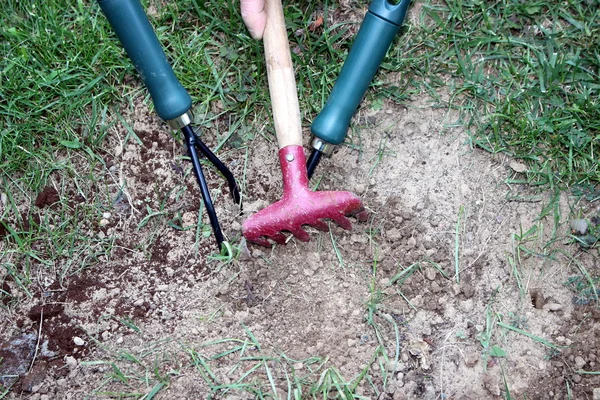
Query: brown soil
(47, 197)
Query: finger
(254, 16)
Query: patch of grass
(265, 373)
(523, 75)
(142, 375)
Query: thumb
(254, 16)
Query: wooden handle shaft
(282, 83)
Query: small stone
(428, 244)
(430, 273)
(118, 150)
(467, 305)
(120, 340)
(78, 341)
(298, 366)
(395, 366)
(517, 166)
(170, 272)
(578, 226)
(596, 394)
(71, 362)
(101, 235)
(4, 199)
(103, 222)
(579, 362)
(554, 307)
(394, 235)
(411, 242)
(162, 288)
(105, 335)
(256, 253)
(351, 342)
(106, 215)
(492, 384)
(467, 290)
(471, 360)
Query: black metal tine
(191, 141)
(312, 162)
(233, 186)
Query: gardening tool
(171, 101)
(299, 205)
(376, 33)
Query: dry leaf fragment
(316, 24)
(518, 167)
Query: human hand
(254, 16)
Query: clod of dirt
(5, 293)
(59, 329)
(45, 311)
(420, 349)
(47, 197)
(16, 355)
(492, 384)
(34, 379)
(3, 230)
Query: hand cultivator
(377, 31)
(171, 100)
(299, 205)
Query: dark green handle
(130, 23)
(372, 42)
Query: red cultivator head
(300, 206)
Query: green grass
(524, 75)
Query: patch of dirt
(385, 295)
(47, 197)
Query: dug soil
(459, 285)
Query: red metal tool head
(300, 206)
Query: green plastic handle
(372, 42)
(130, 23)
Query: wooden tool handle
(282, 83)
